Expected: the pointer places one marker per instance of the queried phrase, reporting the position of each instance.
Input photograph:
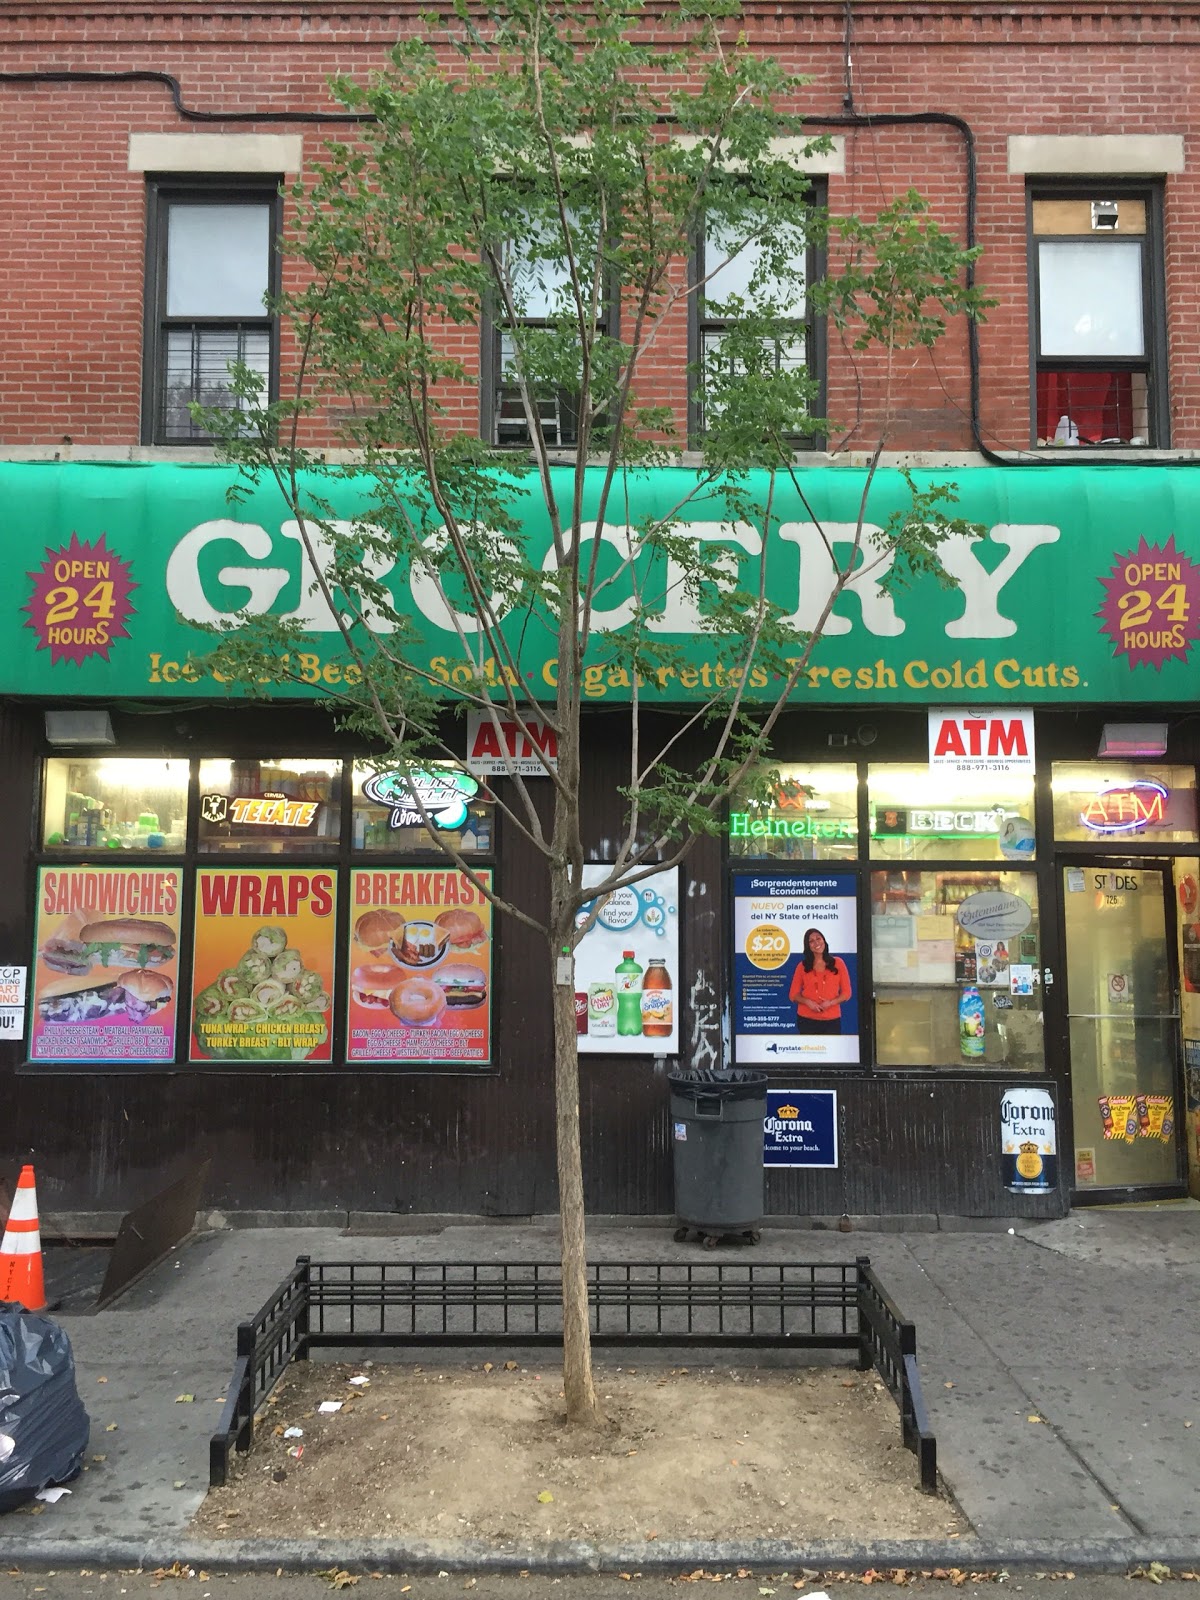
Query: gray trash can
(717, 1137)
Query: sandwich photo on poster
(795, 969)
(626, 966)
(262, 968)
(420, 968)
(105, 969)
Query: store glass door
(1123, 1026)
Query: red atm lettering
(1003, 738)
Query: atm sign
(996, 741)
(1127, 808)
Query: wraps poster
(420, 968)
(106, 970)
(624, 1006)
(262, 971)
(773, 915)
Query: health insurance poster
(262, 971)
(106, 971)
(628, 1004)
(420, 965)
(784, 1011)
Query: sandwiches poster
(262, 969)
(420, 968)
(106, 966)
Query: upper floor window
(739, 278)
(533, 340)
(211, 263)
(1099, 329)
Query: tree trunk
(578, 1385)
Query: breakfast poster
(105, 970)
(262, 968)
(420, 968)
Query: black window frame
(815, 337)
(492, 328)
(340, 859)
(1153, 364)
(224, 189)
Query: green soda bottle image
(629, 994)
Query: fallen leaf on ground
(1033, 1417)
(184, 1399)
(111, 1428)
(545, 1497)
(510, 1366)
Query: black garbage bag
(43, 1426)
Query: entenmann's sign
(1030, 618)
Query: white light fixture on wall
(79, 728)
(1133, 739)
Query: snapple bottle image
(657, 1017)
(629, 994)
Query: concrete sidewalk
(1059, 1364)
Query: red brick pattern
(72, 243)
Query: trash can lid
(736, 1084)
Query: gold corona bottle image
(657, 1016)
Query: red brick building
(1060, 138)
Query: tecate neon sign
(1127, 808)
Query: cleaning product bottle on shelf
(972, 1020)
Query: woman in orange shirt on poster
(820, 986)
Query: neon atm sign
(1127, 808)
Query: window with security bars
(1099, 333)
(541, 292)
(727, 271)
(211, 268)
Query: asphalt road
(87, 1585)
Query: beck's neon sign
(1127, 808)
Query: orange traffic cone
(21, 1252)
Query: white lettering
(681, 610)
(262, 584)
(980, 589)
(818, 574)
(429, 595)
(313, 612)
(625, 542)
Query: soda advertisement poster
(262, 970)
(627, 967)
(795, 969)
(420, 968)
(106, 968)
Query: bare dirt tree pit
(480, 1452)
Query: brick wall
(73, 241)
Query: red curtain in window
(1100, 404)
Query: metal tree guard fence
(707, 1305)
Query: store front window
(385, 817)
(812, 816)
(270, 807)
(919, 813)
(255, 942)
(1105, 803)
(957, 965)
(112, 803)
